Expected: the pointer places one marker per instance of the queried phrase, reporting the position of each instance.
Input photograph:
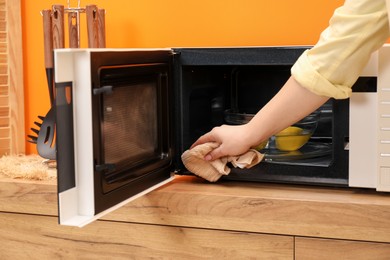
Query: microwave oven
(125, 116)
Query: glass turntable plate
(309, 150)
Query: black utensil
(46, 137)
(53, 28)
(48, 46)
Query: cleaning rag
(194, 161)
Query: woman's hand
(233, 140)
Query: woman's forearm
(292, 103)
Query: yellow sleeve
(333, 65)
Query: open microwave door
(113, 128)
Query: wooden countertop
(354, 214)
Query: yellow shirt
(332, 66)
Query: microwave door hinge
(102, 90)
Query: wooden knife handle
(47, 39)
(102, 28)
(58, 27)
(73, 26)
(92, 26)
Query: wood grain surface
(325, 249)
(278, 209)
(354, 214)
(28, 197)
(40, 237)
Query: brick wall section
(4, 86)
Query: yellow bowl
(292, 138)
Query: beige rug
(29, 167)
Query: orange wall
(176, 23)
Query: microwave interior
(216, 86)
